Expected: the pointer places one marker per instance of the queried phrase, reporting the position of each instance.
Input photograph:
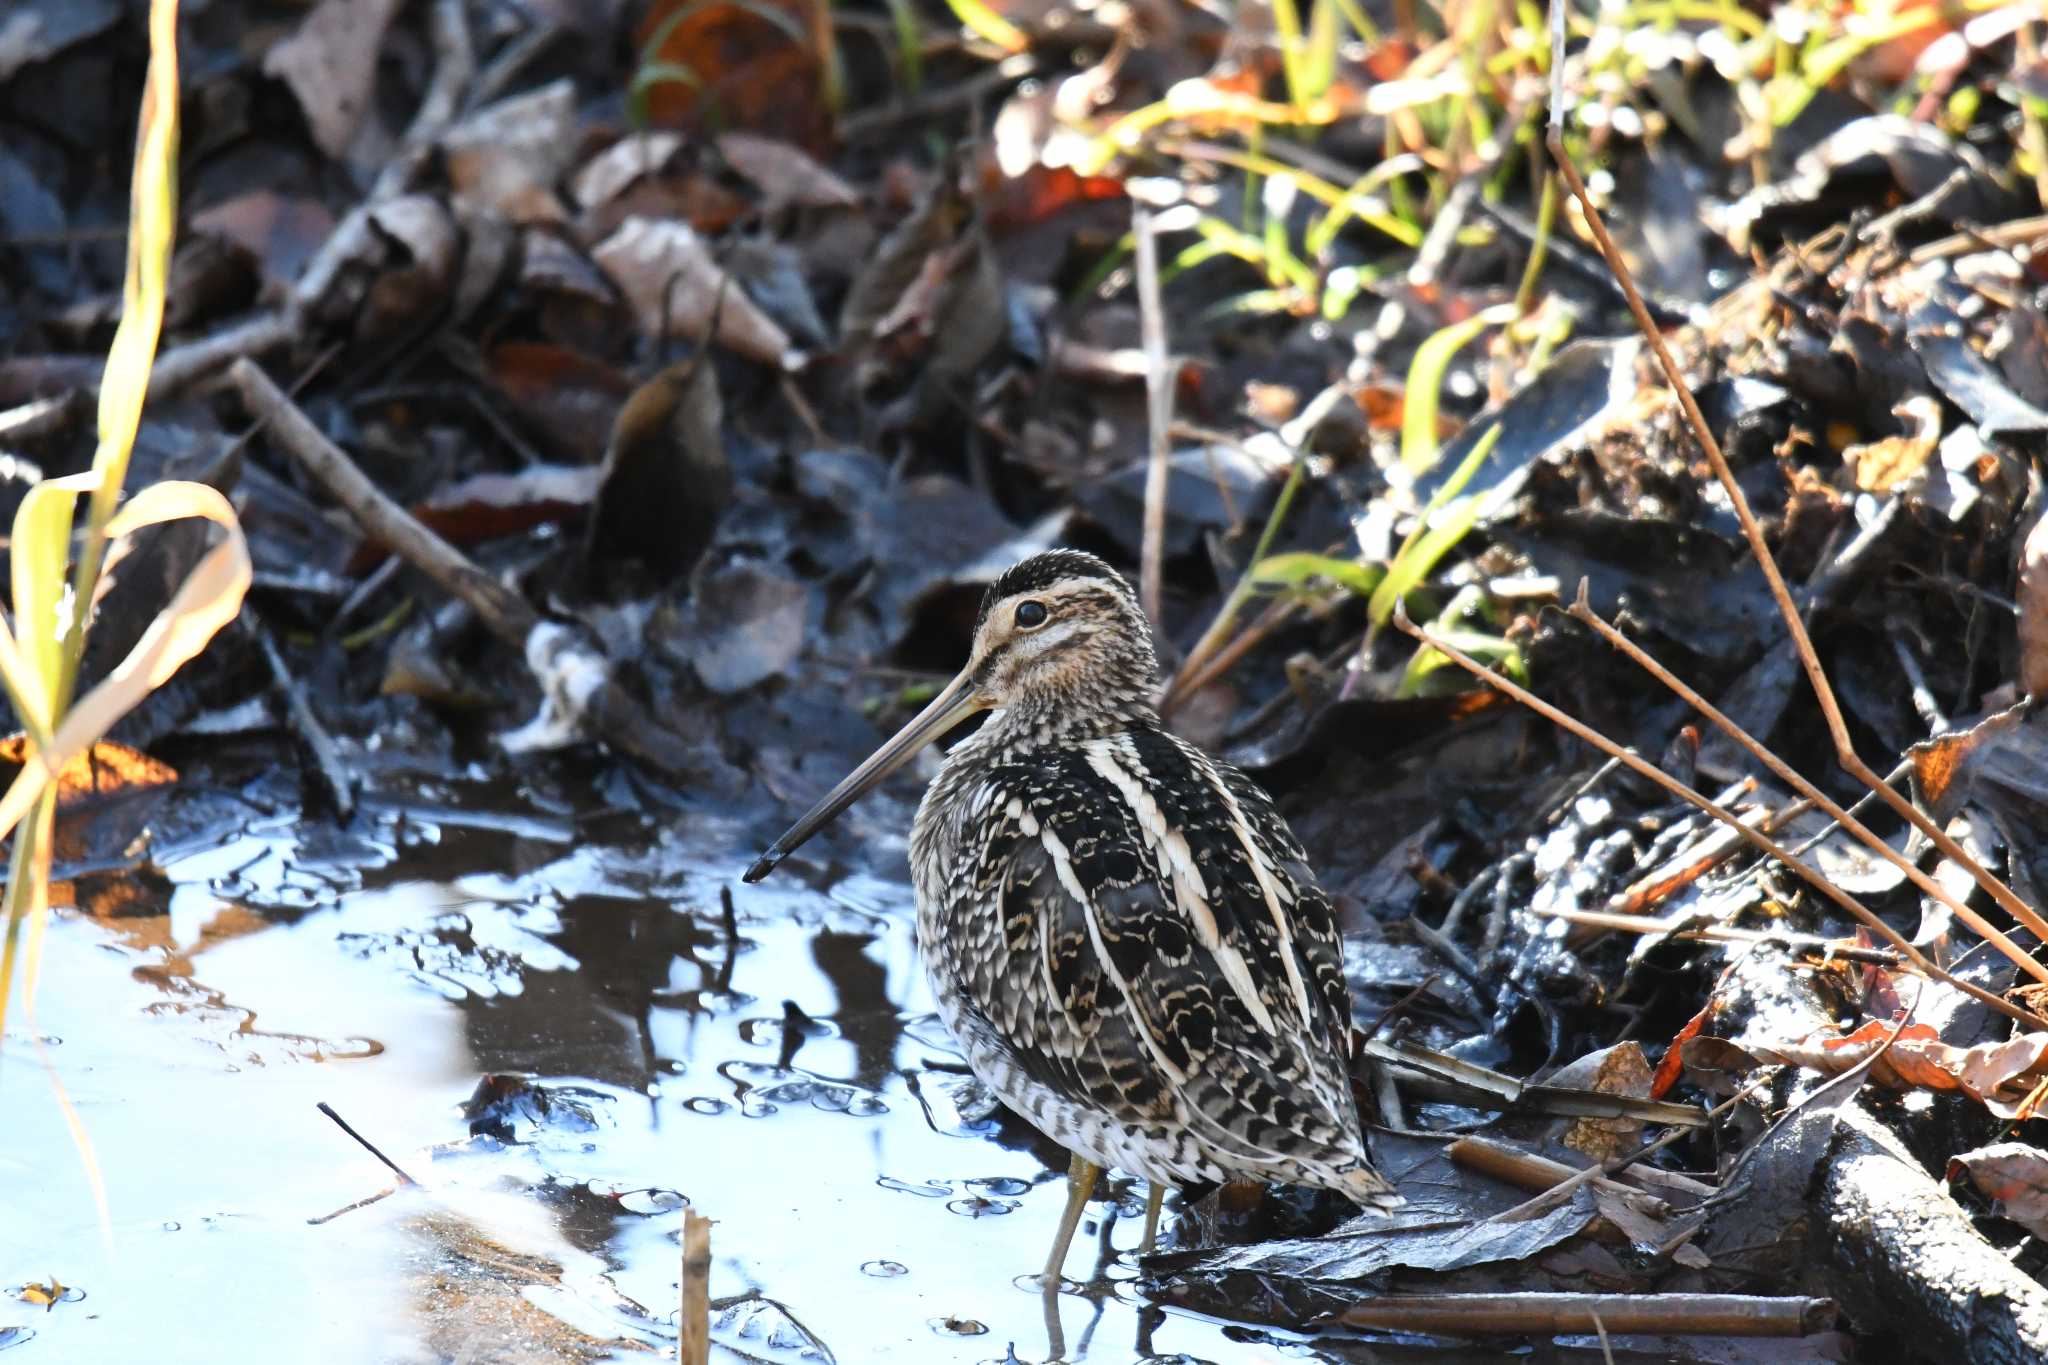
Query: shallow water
(481, 929)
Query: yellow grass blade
(210, 597)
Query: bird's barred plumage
(1122, 932)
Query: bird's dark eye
(1031, 614)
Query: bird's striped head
(1062, 631)
(1060, 645)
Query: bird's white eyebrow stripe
(1176, 864)
(1243, 829)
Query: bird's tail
(1367, 1188)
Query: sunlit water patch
(658, 1034)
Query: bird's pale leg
(1081, 1175)
(1155, 1197)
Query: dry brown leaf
(330, 63)
(606, 176)
(2014, 1176)
(2001, 1076)
(509, 156)
(1892, 461)
(1618, 1070)
(648, 260)
(107, 769)
(784, 173)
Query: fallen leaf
(560, 395)
(747, 64)
(1891, 461)
(785, 174)
(2014, 1176)
(605, 176)
(489, 506)
(665, 481)
(510, 155)
(674, 287)
(2002, 1076)
(330, 64)
(106, 769)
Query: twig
(326, 758)
(1158, 408)
(183, 366)
(1563, 1189)
(507, 614)
(574, 675)
(367, 1145)
(693, 1323)
(1722, 933)
(1533, 1171)
(1824, 693)
(1671, 784)
(1927, 886)
(1730, 1315)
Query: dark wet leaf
(748, 626)
(515, 1109)
(1882, 151)
(570, 397)
(1969, 381)
(757, 1324)
(37, 30)
(1446, 1225)
(2020, 348)
(492, 505)
(1204, 487)
(29, 209)
(666, 480)
(1584, 383)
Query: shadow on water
(662, 1035)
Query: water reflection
(767, 1055)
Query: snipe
(1122, 933)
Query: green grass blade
(1426, 381)
(1434, 537)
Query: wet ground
(778, 1067)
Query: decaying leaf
(1618, 1070)
(786, 174)
(2014, 1176)
(510, 155)
(665, 481)
(330, 63)
(105, 770)
(2006, 1077)
(1891, 461)
(675, 288)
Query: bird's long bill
(959, 701)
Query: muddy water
(778, 1067)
